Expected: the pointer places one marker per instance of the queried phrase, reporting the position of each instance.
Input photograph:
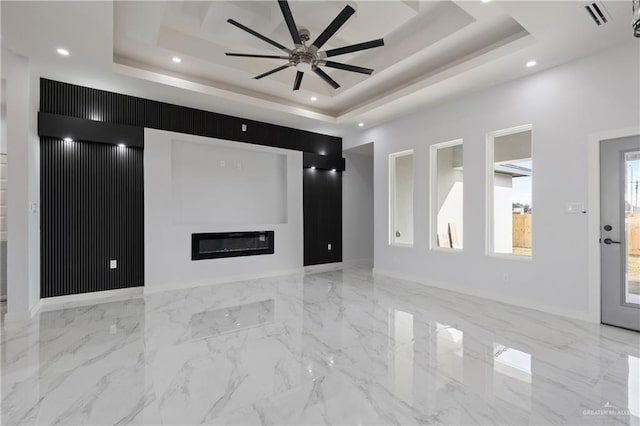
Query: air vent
(597, 12)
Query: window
(446, 195)
(401, 198)
(509, 202)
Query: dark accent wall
(65, 127)
(93, 104)
(322, 216)
(92, 194)
(92, 211)
(323, 162)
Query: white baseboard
(359, 262)
(83, 299)
(579, 315)
(221, 280)
(337, 265)
(323, 267)
(22, 316)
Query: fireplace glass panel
(230, 244)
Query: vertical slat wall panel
(82, 225)
(322, 201)
(92, 212)
(92, 104)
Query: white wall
(3, 191)
(23, 178)
(450, 193)
(404, 195)
(513, 147)
(565, 105)
(168, 261)
(502, 213)
(357, 207)
(231, 186)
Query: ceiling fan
(310, 58)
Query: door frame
(593, 215)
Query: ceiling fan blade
(291, 24)
(251, 55)
(348, 67)
(273, 71)
(260, 36)
(355, 47)
(334, 26)
(331, 82)
(298, 82)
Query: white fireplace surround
(230, 187)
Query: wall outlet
(505, 277)
(113, 264)
(244, 127)
(329, 246)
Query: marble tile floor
(340, 347)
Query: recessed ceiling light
(313, 167)
(360, 124)
(121, 145)
(62, 52)
(68, 140)
(313, 98)
(485, 1)
(531, 64)
(176, 59)
(333, 170)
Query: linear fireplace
(231, 244)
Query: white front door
(620, 231)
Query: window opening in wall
(401, 198)
(447, 195)
(509, 193)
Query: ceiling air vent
(597, 12)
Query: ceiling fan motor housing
(309, 58)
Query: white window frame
(392, 196)
(433, 192)
(489, 172)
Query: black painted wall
(92, 211)
(322, 216)
(92, 194)
(93, 104)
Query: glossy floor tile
(339, 347)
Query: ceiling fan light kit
(306, 58)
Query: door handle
(610, 241)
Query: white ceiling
(434, 51)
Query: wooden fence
(521, 234)
(633, 233)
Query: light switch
(33, 208)
(113, 264)
(575, 207)
(244, 127)
(329, 246)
